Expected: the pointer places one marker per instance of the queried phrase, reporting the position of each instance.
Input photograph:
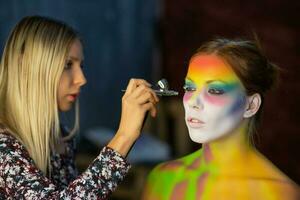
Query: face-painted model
(214, 99)
(226, 167)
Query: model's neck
(229, 152)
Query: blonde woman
(40, 76)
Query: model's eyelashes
(189, 88)
(216, 91)
(212, 90)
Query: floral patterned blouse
(21, 179)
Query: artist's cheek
(217, 100)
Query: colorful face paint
(214, 103)
(214, 100)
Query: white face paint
(214, 100)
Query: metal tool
(162, 89)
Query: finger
(150, 107)
(146, 97)
(140, 90)
(154, 95)
(153, 112)
(133, 83)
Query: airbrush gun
(162, 89)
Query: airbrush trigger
(163, 85)
(162, 88)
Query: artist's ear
(253, 104)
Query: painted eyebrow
(217, 80)
(188, 79)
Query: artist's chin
(65, 107)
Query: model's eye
(189, 88)
(69, 64)
(216, 91)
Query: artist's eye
(68, 64)
(216, 91)
(188, 88)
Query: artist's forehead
(205, 67)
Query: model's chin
(207, 136)
(203, 135)
(198, 136)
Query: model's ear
(253, 104)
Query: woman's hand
(138, 99)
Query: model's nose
(196, 102)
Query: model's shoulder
(268, 176)
(286, 190)
(278, 189)
(180, 163)
(250, 188)
(265, 169)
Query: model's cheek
(226, 108)
(238, 105)
(217, 100)
(187, 96)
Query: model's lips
(194, 122)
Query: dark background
(152, 39)
(186, 24)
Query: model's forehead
(210, 67)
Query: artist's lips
(73, 97)
(194, 122)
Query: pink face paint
(215, 100)
(195, 164)
(207, 153)
(171, 165)
(201, 182)
(179, 191)
(187, 96)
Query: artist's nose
(79, 78)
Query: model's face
(214, 99)
(72, 78)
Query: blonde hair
(32, 63)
